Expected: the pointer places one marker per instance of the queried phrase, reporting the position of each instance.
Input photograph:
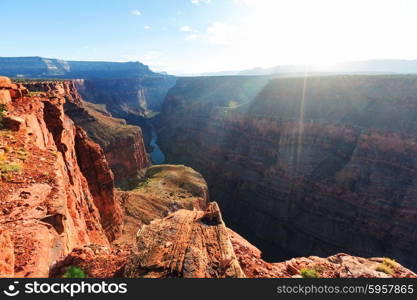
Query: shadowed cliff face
(130, 90)
(125, 96)
(58, 206)
(309, 167)
(131, 99)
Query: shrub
(143, 183)
(309, 273)
(74, 272)
(10, 167)
(22, 154)
(387, 266)
(389, 262)
(3, 111)
(385, 269)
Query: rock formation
(128, 97)
(183, 245)
(48, 205)
(188, 244)
(319, 165)
(123, 144)
(336, 266)
(130, 90)
(59, 208)
(40, 67)
(164, 190)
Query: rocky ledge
(59, 208)
(190, 244)
(56, 189)
(123, 144)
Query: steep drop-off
(123, 144)
(188, 244)
(56, 189)
(131, 99)
(164, 189)
(311, 166)
(130, 90)
(128, 96)
(58, 208)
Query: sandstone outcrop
(336, 266)
(94, 167)
(123, 144)
(48, 206)
(164, 190)
(95, 261)
(319, 165)
(188, 244)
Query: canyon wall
(123, 145)
(40, 67)
(310, 166)
(129, 90)
(58, 206)
(131, 99)
(124, 97)
(56, 190)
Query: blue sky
(191, 36)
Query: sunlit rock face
(123, 145)
(310, 166)
(56, 188)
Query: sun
(318, 33)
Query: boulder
(188, 244)
(5, 97)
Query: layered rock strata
(320, 165)
(123, 144)
(188, 244)
(48, 205)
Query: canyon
(319, 165)
(56, 187)
(123, 144)
(130, 90)
(300, 158)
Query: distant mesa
(39, 67)
(377, 66)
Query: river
(157, 156)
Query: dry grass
(387, 266)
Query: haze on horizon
(195, 36)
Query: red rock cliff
(319, 165)
(49, 204)
(123, 144)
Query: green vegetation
(34, 94)
(387, 266)
(143, 183)
(7, 167)
(309, 273)
(22, 154)
(74, 272)
(10, 167)
(390, 262)
(3, 111)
